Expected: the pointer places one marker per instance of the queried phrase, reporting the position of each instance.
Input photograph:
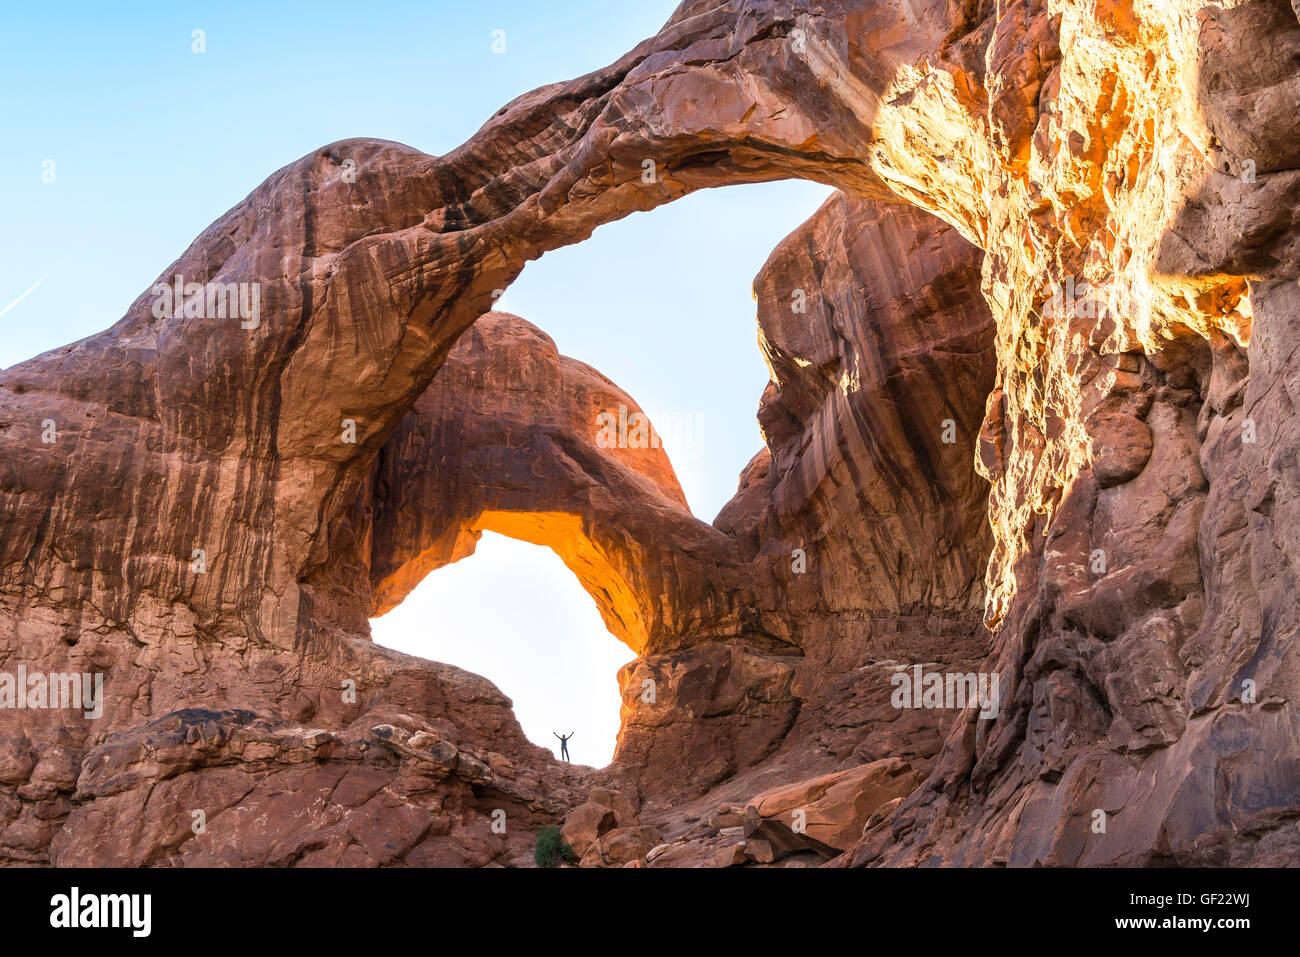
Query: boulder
(827, 813)
(622, 845)
(587, 824)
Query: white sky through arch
(515, 614)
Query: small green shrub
(552, 848)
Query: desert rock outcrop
(1035, 422)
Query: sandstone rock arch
(1075, 139)
(507, 440)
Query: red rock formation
(206, 513)
(1137, 533)
(513, 438)
(855, 572)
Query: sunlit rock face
(1066, 241)
(1135, 452)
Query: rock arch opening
(688, 341)
(516, 614)
(661, 304)
(827, 561)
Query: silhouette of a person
(564, 744)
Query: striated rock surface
(854, 573)
(1034, 374)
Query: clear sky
(119, 144)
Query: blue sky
(151, 142)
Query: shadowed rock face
(206, 514)
(865, 564)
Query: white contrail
(26, 294)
